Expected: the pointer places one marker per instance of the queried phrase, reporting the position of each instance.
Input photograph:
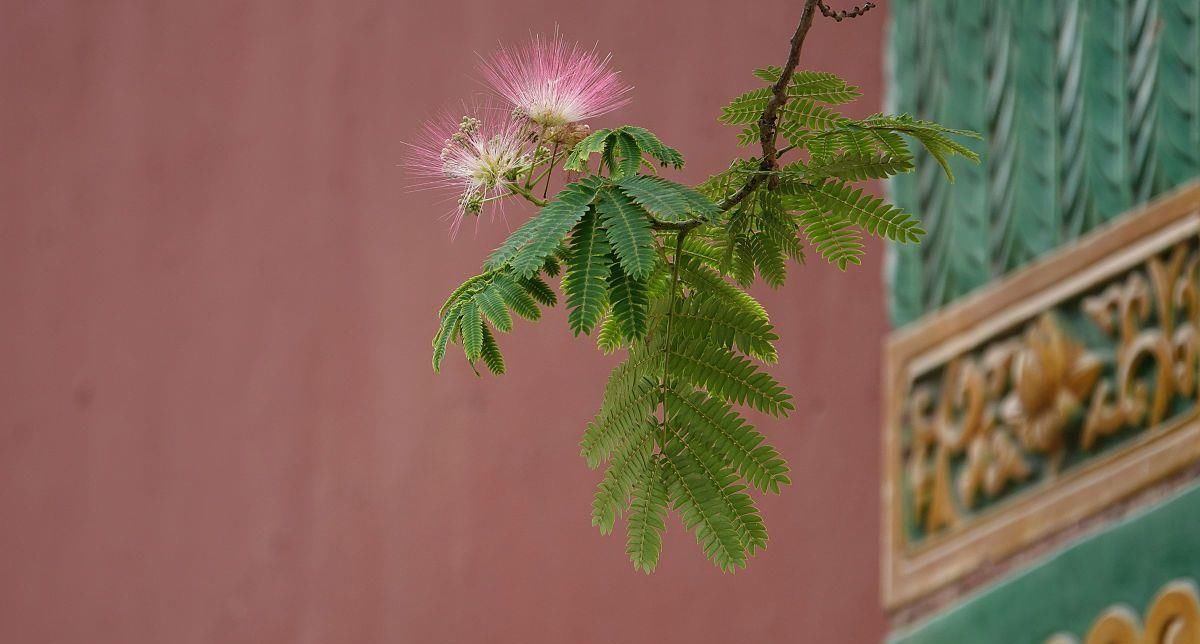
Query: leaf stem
(667, 333)
(530, 182)
(550, 171)
(529, 196)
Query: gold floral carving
(1173, 618)
(1013, 410)
(1042, 400)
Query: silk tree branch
(769, 122)
(768, 137)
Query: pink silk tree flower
(477, 155)
(553, 83)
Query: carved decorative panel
(1043, 399)
(1172, 618)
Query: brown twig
(839, 16)
(769, 122)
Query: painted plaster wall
(217, 418)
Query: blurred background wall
(218, 421)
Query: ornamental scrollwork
(1073, 381)
(1172, 618)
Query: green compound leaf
(666, 200)
(628, 230)
(529, 247)
(585, 282)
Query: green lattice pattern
(1088, 107)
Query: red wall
(217, 417)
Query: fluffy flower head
(554, 83)
(476, 154)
